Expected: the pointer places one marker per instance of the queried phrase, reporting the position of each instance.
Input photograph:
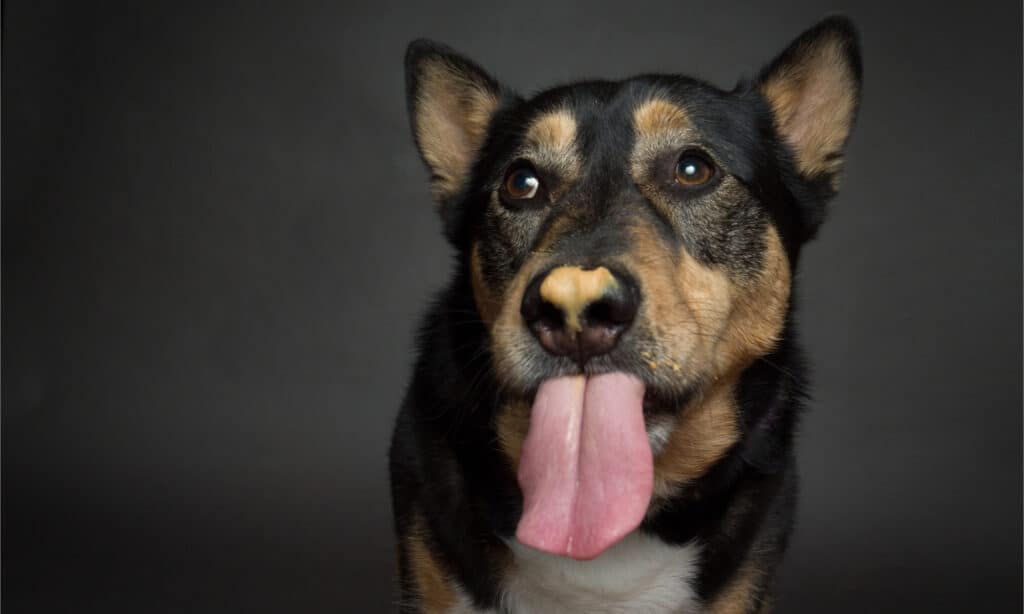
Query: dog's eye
(693, 170)
(521, 183)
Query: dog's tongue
(586, 470)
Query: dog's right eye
(521, 183)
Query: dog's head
(647, 227)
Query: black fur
(446, 469)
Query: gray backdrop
(217, 239)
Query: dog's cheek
(686, 306)
(707, 298)
(758, 312)
(749, 316)
(511, 343)
(500, 247)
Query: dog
(602, 412)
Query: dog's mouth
(586, 468)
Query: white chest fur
(640, 574)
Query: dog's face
(636, 224)
(648, 227)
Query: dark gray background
(217, 239)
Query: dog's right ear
(451, 103)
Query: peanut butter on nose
(571, 289)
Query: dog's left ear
(813, 89)
(451, 103)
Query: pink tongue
(585, 471)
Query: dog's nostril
(550, 316)
(538, 312)
(615, 308)
(580, 313)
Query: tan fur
(550, 144)
(749, 323)
(740, 595)
(684, 304)
(814, 101)
(758, 309)
(571, 289)
(433, 587)
(656, 116)
(709, 326)
(508, 337)
(554, 132)
(452, 114)
(702, 435)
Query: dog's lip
(657, 397)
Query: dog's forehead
(572, 126)
(602, 110)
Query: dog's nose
(579, 313)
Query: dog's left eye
(521, 183)
(693, 170)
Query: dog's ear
(451, 102)
(813, 88)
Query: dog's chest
(640, 574)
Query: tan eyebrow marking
(660, 126)
(657, 116)
(554, 130)
(551, 142)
